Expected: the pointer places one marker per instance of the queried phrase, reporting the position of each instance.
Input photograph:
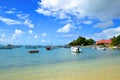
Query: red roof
(104, 41)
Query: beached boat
(75, 49)
(34, 51)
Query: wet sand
(100, 69)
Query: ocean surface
(56, 63)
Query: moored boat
(75, 49)
(101, 48)
(34, 51)
(48, 48)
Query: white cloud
(10, 12)
(104, 24)
(30, 31)
(9, 21)
(17, 33)
(22, 16)
(44, 34)
(54, 7)
(65, 29)
(108, 33)
(3, 35)
(97, 9)
(36, 37)
(45, 12)
(87, 22)
(29, 23)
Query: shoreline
(100, 69)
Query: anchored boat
(34, 51)
(75, 49)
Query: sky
(57, 22)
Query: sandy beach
(101, 69)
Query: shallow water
(59, 64)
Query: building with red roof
(104, 42)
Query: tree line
(115, 41)
(82, 41)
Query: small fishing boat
(34, 51)
(75, 49)
(48, 48)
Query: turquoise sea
(18, 59)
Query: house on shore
(105, 42)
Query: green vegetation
(115, 41)
(82, 41)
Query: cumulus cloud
(108, 33)
(44, 34)
(17, 33)
(30, 31)
(9, 21)
(99, 9)
(53, 8)
(65, 29)
(29, 23)
(79, 7)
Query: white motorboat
(75, 49)
(101, 48)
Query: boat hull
(75, 49)
(34, 51)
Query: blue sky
(57, 22)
